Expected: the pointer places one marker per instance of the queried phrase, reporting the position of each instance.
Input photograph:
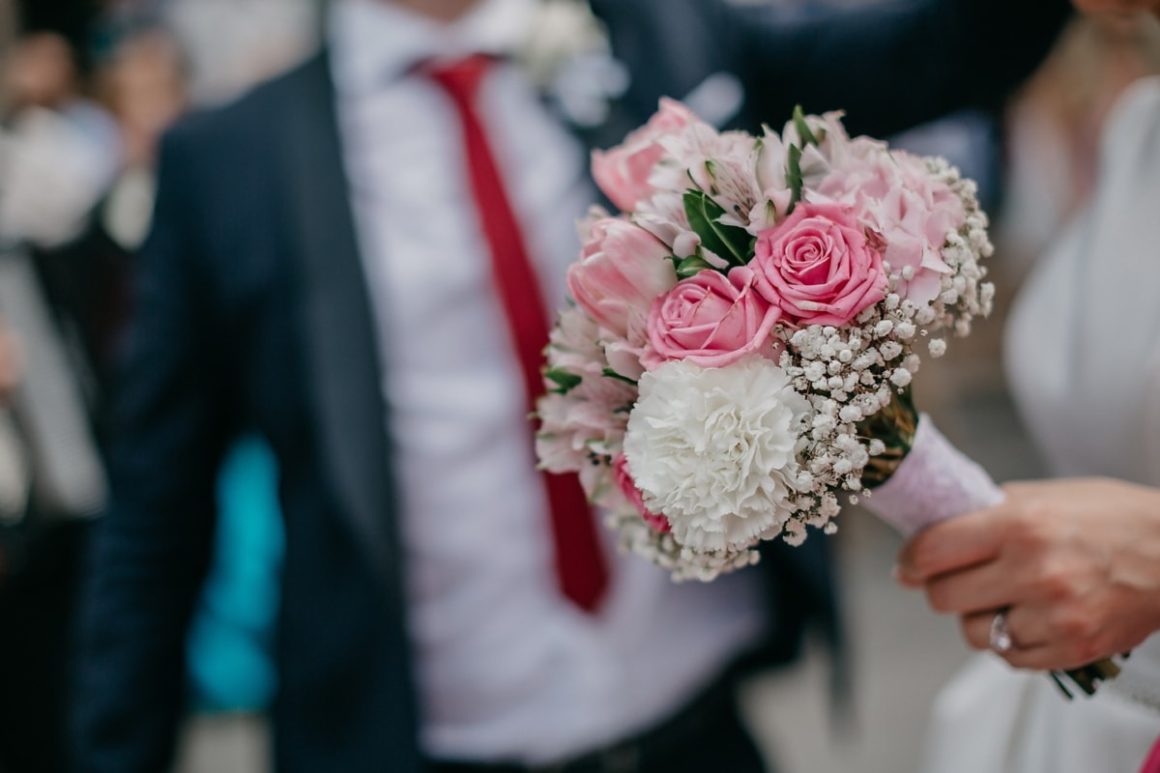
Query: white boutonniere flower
(569, 57)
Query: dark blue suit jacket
(253, 311)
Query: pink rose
(914, 212)
(622, 268)
(622, 173)
(818, 266)
(711, 320)
(628, 487)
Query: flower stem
(1089, 677)
(895, 425)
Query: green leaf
(793, 175)
(803, 129)
(565, 382)
(610, 373)
(729, 241)
(691, 266)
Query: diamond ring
(1001, 640)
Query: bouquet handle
(934, 482)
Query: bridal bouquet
(745, 331)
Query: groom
(333, 262)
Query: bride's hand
(1076, 562)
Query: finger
(1030, 627)
(1052, 657)
(981, 588)
(1018, 488)
(906, 580)
(1045, 639)
(950, 545)
(976, 629)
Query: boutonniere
(569, 57)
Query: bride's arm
(1076, 561)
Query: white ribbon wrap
(935, 482)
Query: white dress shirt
(507, 669)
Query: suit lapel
(342, 356)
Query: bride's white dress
(1083, 356)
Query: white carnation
(714, 450)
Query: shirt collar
(373, 42)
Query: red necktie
(580, 565)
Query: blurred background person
(71, 19)
(86, 92)
(274, 288)
(57, 153)
(59, 147)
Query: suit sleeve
(890, 65)
(151, 550)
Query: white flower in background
(558, 30)
(568, 55)
(714, 449)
